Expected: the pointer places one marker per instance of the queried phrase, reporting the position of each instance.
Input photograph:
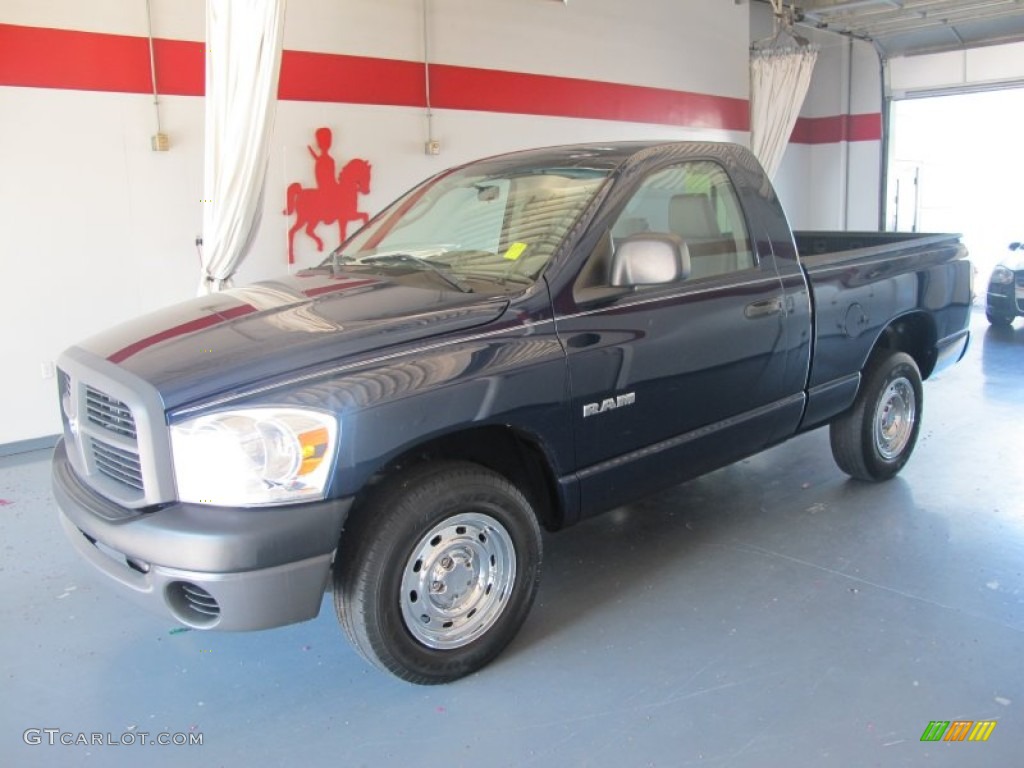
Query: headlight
(1002, 275)
(254, 456)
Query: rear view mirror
(650, 259)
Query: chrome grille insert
(109, 413)
(117, 463)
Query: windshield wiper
(408, 258)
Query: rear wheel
(438, 571)
(874, 439)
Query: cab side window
(697, 202)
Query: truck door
(672, 379)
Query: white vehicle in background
(1005, 299)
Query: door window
(697, 202)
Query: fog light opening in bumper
(192, 605)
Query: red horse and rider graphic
(333, 199)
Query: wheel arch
(514, 454)
(914, 333)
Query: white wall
(991, 66)
(845, 176)
(99, 229)
(832, 185)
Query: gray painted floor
(770, 614)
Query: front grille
(109, 413)
(1020, 278)
(117, 463)
(114, 432)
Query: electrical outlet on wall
(46, 369)
(433, 147)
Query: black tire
(1000, 321)
(437, 543)
(874, 439)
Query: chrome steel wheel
(874, 438)
(894, 418)
(437, 570)
(457, 581)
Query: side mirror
(1014, 246)
(650, 259)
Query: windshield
(474, 230)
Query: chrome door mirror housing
(650, 258)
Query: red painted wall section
(307, 76)
(180, 67)
(63, 59)
(490, 90)
(52, 58)
(88, 61)
(832, 130)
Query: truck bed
(860, 281)
(833, 248)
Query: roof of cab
(604, 156)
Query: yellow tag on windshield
(515, 251)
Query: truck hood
(217, 343)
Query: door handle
(765, 308)
(581, 340)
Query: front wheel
(997, 319)
(874, 439)
(438, 571)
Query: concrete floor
(771, 614)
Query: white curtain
(243, 61)
(779, 79)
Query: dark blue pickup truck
(523, 341)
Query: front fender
(512, 377)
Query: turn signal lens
(314, 448)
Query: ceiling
(904, 27)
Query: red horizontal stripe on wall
(307, 76)
(832, 130)
(56, 58)
(491, 90)
(52, 58)
(180, 67)
(88, 61)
